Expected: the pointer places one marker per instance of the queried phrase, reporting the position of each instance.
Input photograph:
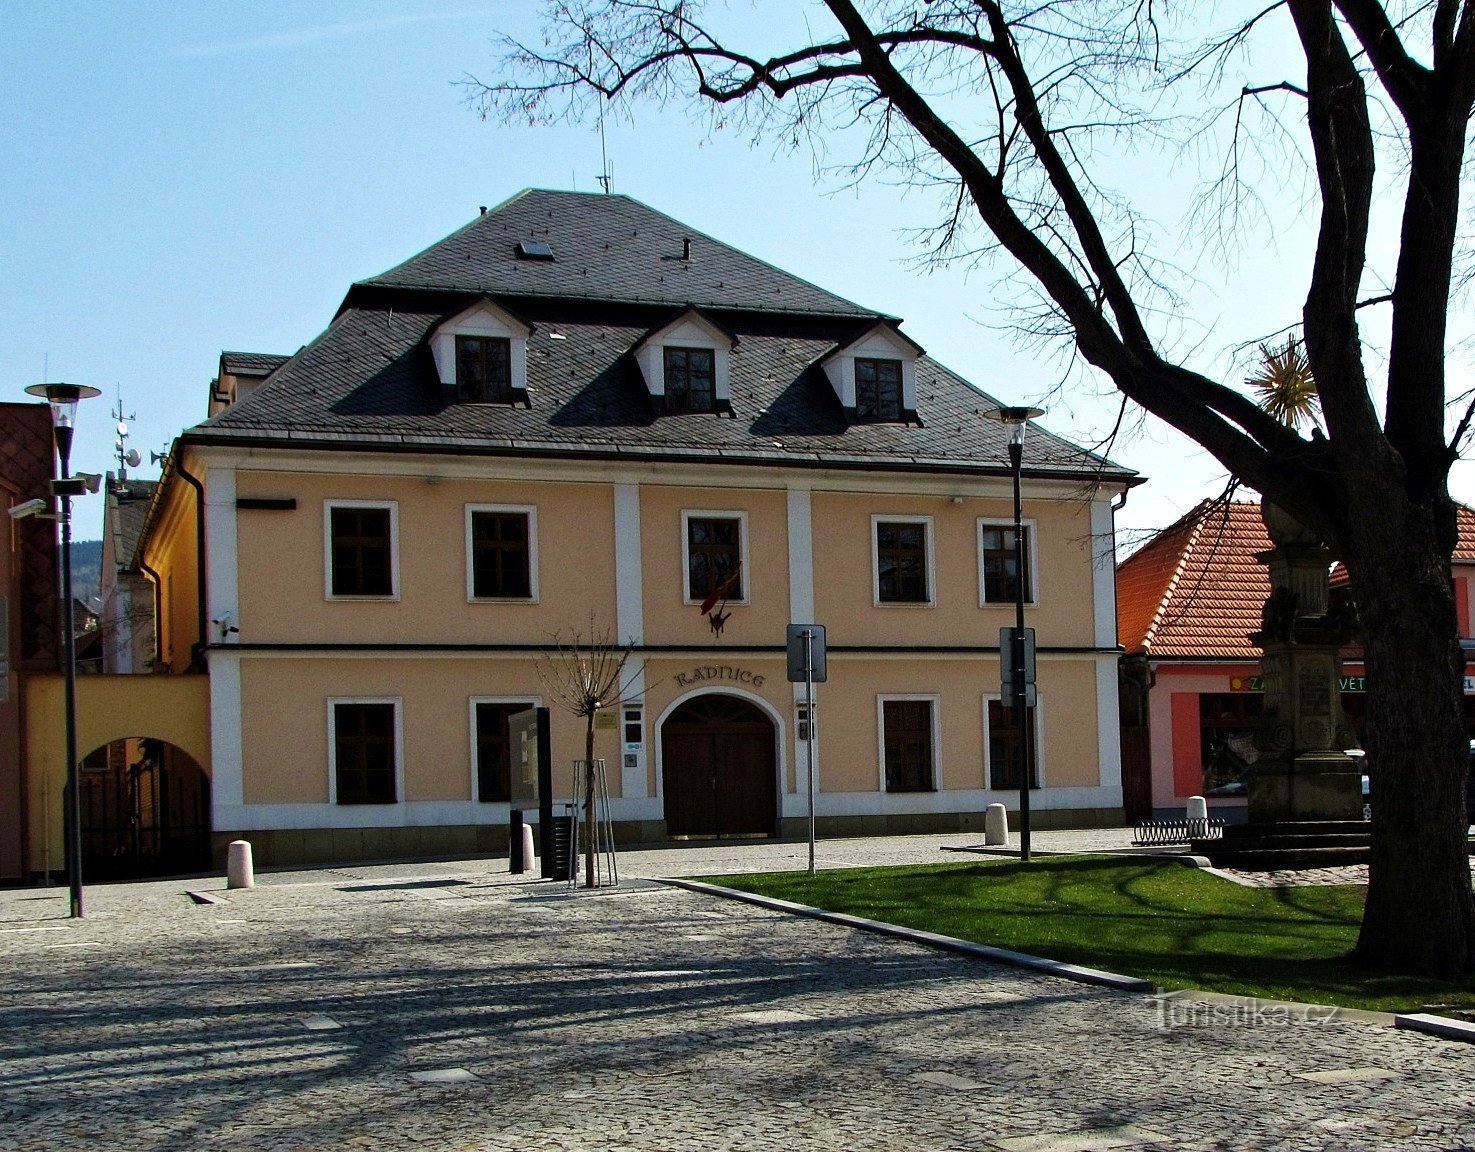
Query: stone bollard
(238, 870)
(529, 854)
(996, 825)
(1198, 816)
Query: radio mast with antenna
(604, 172)
(127, 457)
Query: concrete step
(1279, 859)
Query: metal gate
(145, 812)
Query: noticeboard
(530, 755)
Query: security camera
(28, 508)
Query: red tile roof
(1195, 589)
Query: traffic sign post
(805, 644)
(1017, 692)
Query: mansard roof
(369, 380)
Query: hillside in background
(86, 570)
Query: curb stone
(1074, 972)
(1442, 1026)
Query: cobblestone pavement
(451, 1006)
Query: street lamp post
(1015, 420)
(63, 399)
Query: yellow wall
(844, 594)
(173, 552)
(284, 735)
(175, 709)
(668, 619)
(282, 563)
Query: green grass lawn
(1153, 919)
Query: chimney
(686, 247)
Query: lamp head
(63, 400)
(1014, 419)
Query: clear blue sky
(180, 179)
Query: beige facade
(432, 650)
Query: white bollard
(1198, 817)
(238, 870)
(996, 825)
(529, 856)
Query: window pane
(501, 559)
(361, 553)
(691, 379)
(1003, 747)
(1000, 564)
(363, 736)
(907, 738)
(483, 369)
(878, 390)
(714, 550)
(901, 562)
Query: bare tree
(1006, 108)
(586, 675)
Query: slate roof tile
(605, 248)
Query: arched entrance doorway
(718, 768)
(145, 811)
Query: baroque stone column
(1302, 773)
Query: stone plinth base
(1313, 786)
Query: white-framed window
(361, 549)
(997, 573)
(502, 553)
(714, 548)
(909, 742)
(366, 751)
(491, 749)
(1001, 743)
(902, 570)
(687, 364)
(481, 355)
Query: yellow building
(576, 412)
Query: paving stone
(599, 1024)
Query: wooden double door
(719, 771)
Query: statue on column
(1303, 772)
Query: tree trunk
(589, 829)
(1419, 913)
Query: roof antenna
(604, 172)
(127, 457)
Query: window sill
(501, 599)
(345, 599)
(904, 603)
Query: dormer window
(877, 390)
(483, 369)
(481, 355)
(685, 363)
(691, 379)
(874, 375)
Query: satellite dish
(122, 428)
(117, 445)
(133, 458)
